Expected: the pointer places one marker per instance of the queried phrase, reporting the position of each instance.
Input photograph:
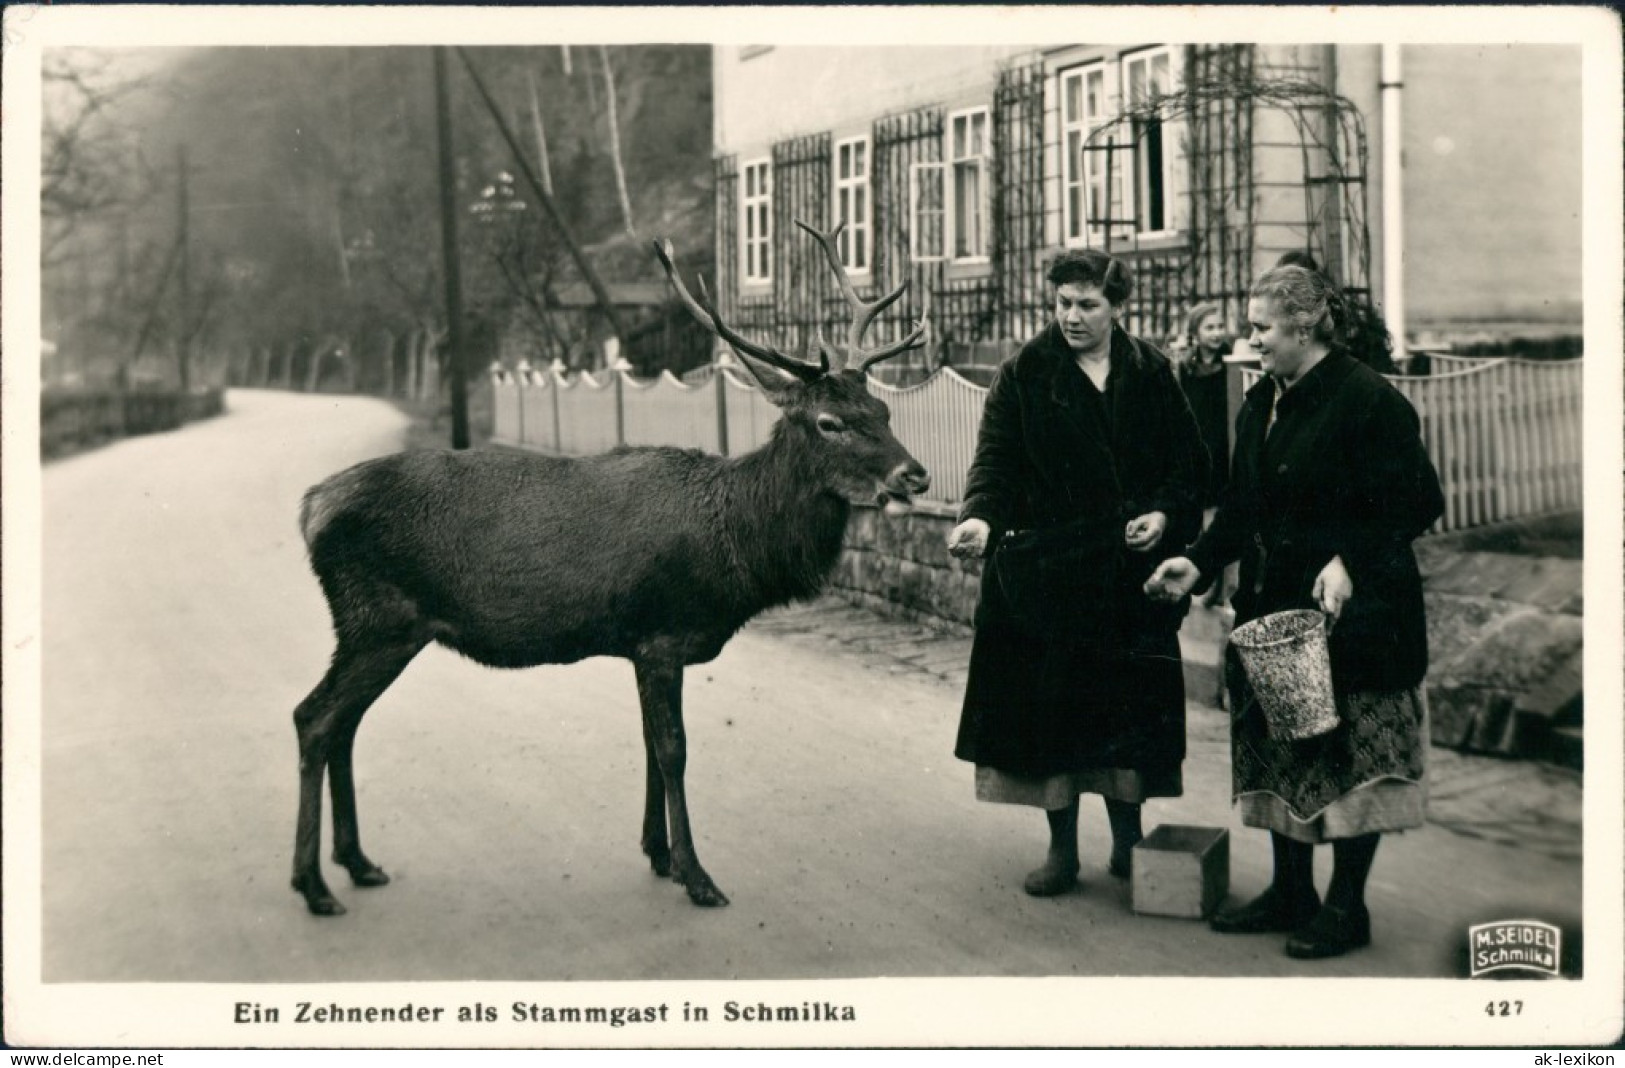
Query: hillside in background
(312, 188)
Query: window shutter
(928, 212)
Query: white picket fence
(937, 421)
(1505, 434)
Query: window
(1147, 76)
(1085, 108)
(852, 202)
(1138, 155)
(948, 202)
(756, 222)
(967, 155)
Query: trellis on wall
(725, 174)
(1246, 205)
(900, 142)
(1018, 191)
(802, 284)
(787, 311)
(1241, 222)
(1219, 155)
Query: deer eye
(830, 424)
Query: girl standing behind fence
(1202, 376)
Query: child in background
(1202, 376)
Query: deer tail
(327, 499)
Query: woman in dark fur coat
(1329, 486)
(1087, 474)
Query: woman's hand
(1174, 578)
(1333, 587)
(1145, 531)
(968, 540)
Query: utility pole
(1392, 87)
(448, 246)
(183, 327)
(123, 301)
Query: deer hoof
(325, 906)
(660, 861)
(705, 894)
(317, 899)
(363, 872)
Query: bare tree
(88, 164)
(615, 141)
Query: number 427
(1504, 1008)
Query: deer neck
(784, 522)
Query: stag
(658, 555)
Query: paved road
(1533, 807)
(182, 626)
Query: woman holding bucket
(1086, 475)
(1329, 486)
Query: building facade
(964, 169)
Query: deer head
(826, 405)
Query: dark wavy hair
(1093, 268)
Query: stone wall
(1504, 628)
(72, 419)
(900, 567)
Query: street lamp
(497, 200)
(361, 250)
(497, 212)
(362, 246)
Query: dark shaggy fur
(657, 555)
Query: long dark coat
(1073, 667)
(1208, 395)
(1342, 472)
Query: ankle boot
(1333, 932)
(1124, 817)
(1270, 912)
(1288, 904)
(1060, 870)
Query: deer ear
(774, 382)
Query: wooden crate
(1181, 871)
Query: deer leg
(655, 844)
(326, 721)
(346, 830)
(660, 688)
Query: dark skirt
(1208, 397)
(1048, 704)
(1367, 774)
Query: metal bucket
(1287, 662)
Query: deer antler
(914, 340)
(705, 311)
(863, 313)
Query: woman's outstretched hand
(1174, 578)
(968, 540)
